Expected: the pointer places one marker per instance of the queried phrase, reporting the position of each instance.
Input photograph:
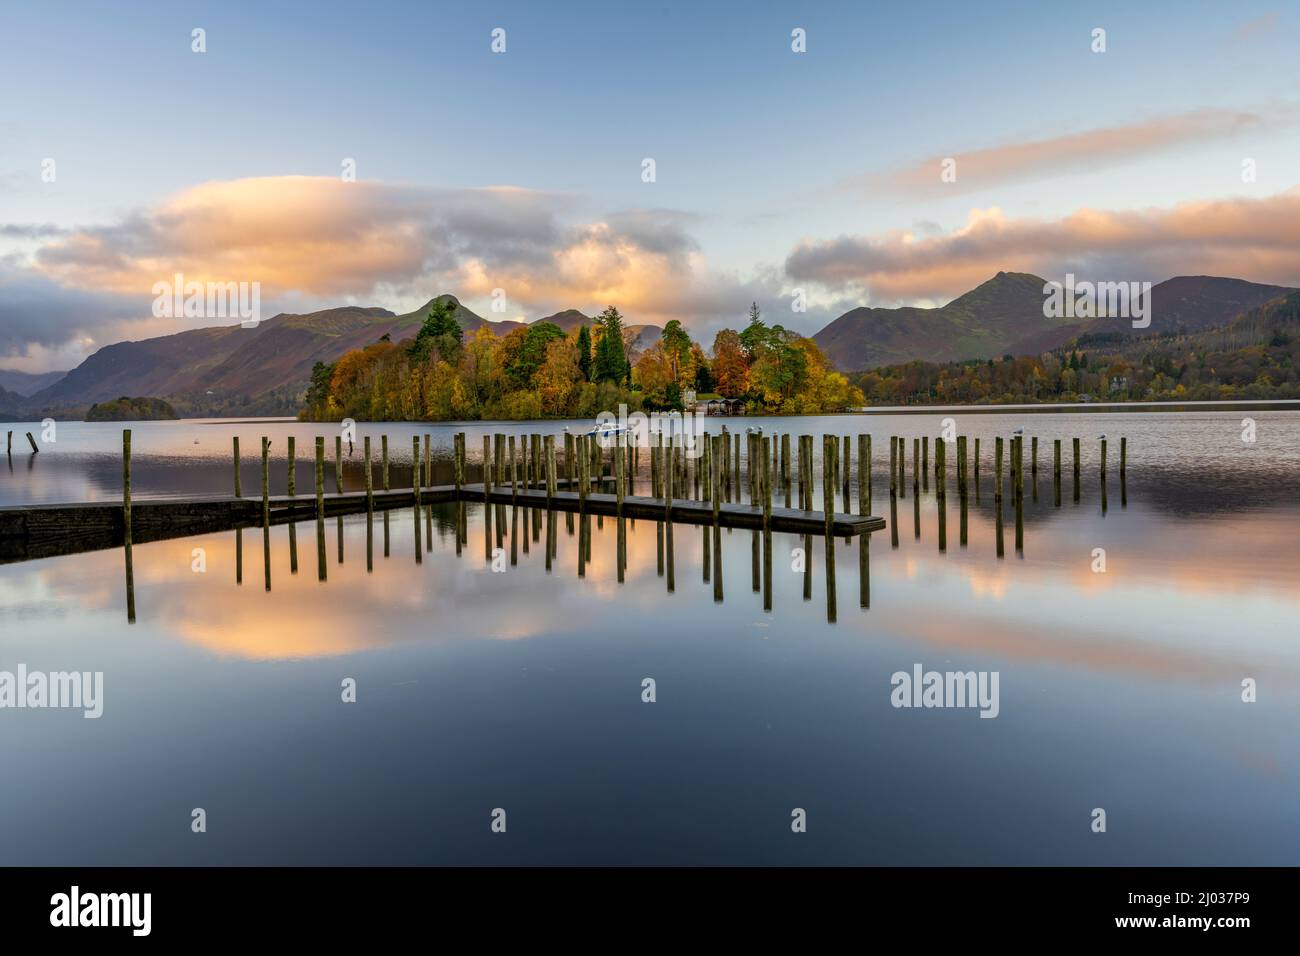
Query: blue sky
(757, 148)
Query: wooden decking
(28, 532)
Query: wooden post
(416, 478)
(514, 471)
(997, 469)
(916, 465)
(239, 490)
(459, 455)
(1103, 459)
(383, 441)
(940, 468)
(487, 467)
(977, 462)
(126, 486)
(666, 476)
(126, 524)
(266, 482)
(338, 464)
(961, 465)
(715, 474)
(582, 461)
(1033, 456)
(1076, 467)
(320, 477)
(893, 465)
(828, 479)
(767, 482)
(925, 458)
(550, 467)
(1056, 460)
(864, 474)
(1123, 456)
(9, 442)
(618, 476)
(32, 441)
(291, 480)
(370, 482)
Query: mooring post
(383, 442)
(416, 478)
(997, 469)
(767, 482)
(925, 459)
(514, 471)
(239, 490)
(1103, 459)
(916, 465)
(1123, 456)
(1020, 467)
(290, 480)
(864, 474)
(715, 475)
(32, 441)
(266, 482)
(9, 442)
(977, 462)
(126, 486)
(1033, 456)
(893, 465)
(828, 479)
(320, 476)
(1076, 467)
(666, 476)
(550, 467)
(458, 454)
(940, 468)
(1056, 460)
(961, 465)
(618, 476)
(338, 464)
(487, 466)
(370, 481)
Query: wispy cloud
(1042, 158)
(1256, 239)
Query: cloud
(322, 240)
(1257, 239)
(39, 313)
(1043, 158)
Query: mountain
(568, 320)
(1005, 316)
(27, 383)
(255, 371)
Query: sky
(908, 153)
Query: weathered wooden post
(893, 465)
(370, 482)
(916, 465)
(1033, 452)
(416, 478)
(582, 462)
(126, 524)
(290, 478)
(1123, 456)
(828, 482)
(961, 464)
(618, 477)
(458, 455)
(767, 483)
(514, 471)
(1076, 469)
(940, 468)
(9, 442)
(550, 468)
(977, 464)
(239, 488)
(266, 482)
(667, 478)
(925, 460)
(32, 441)
(864, 474)
(338, 464)
(320, 477)
(997, 469)
(1056, 461)
(487, 467)
(1103, 459)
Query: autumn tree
(730, 366)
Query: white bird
(1018, 431)
(1102, 435)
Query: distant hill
(228, 370)
(27, 383)
(1004, 316)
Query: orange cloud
(1256, 239)
(1037, 159)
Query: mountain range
(264, 370)
(1004, 316)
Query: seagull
(1102, 435)
(1018, 431)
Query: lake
(521, 688)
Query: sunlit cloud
(1255, 239)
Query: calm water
(522, 690)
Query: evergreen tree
(440, 332)
(611, 362)
(584, 353)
